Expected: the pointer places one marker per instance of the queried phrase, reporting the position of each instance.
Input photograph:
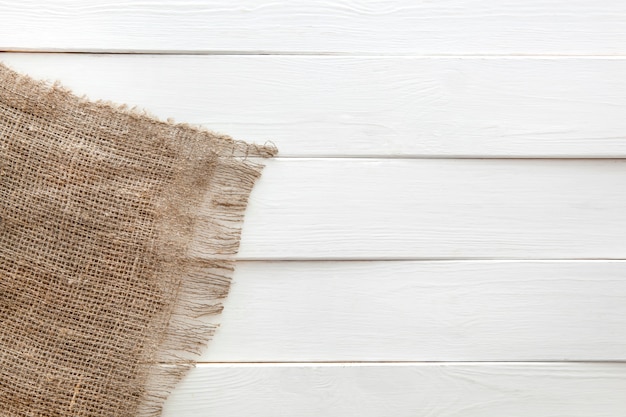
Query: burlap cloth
(107, 269)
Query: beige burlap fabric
(107, 270)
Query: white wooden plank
(364, 26)
(436, 208)
(402, 390)
(423, 311)
(370, 106)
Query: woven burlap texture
(117, 238)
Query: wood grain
(436, 209)
(370, 106)
(402, 390)
(423, 311)
(329, 26)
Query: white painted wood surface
(317, 26)
(370, 106)
(403, 390)
(437, 208)
(348, 90)
(423, 311)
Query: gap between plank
(413, 259)
(399, 363)
(305, 53)
(453, 157)
(443, 157)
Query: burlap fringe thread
(108, 265)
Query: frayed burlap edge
(215, 172)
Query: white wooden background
(444, 232)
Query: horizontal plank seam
(451, 260)
(336, 158)
(303, 53)
(409, 363)
(456, 157)
(410, 259)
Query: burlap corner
(101, 298)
